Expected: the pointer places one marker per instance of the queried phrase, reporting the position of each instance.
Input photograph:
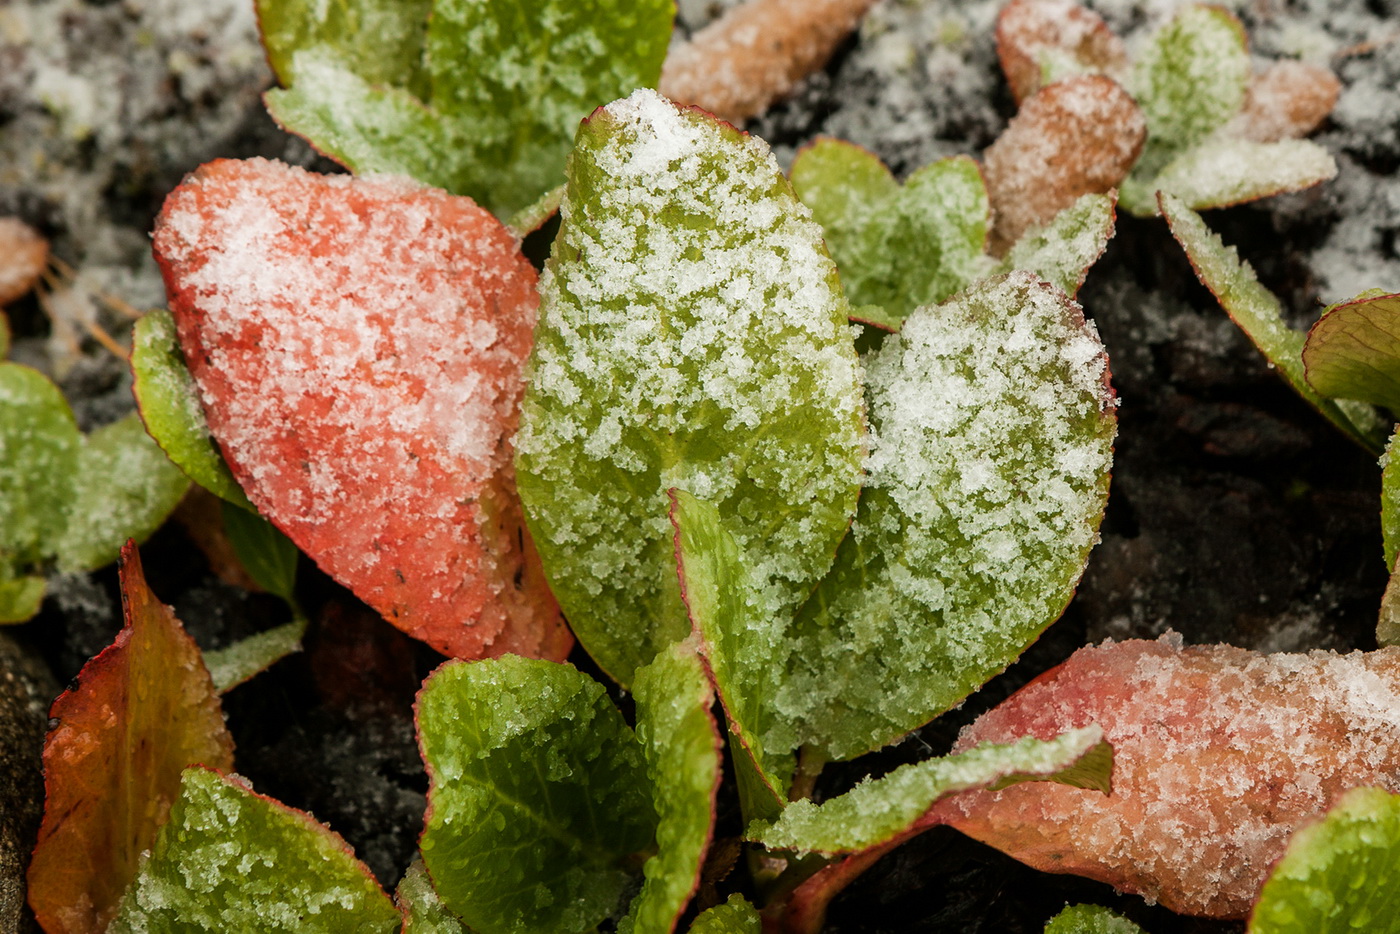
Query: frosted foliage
(1062, 251)
(1090, 919)
(1219, 754)
(229, 860)
(692, 335)
(1222, 172)
(992, 431)
(878, 810)
(358, 345)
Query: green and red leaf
(142, 711)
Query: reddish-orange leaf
(141, 712)
(1075, 137)
(1287, 100)
(1061, 34)
(1219, 754)
(359, 346)
(23, 255)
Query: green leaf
(1353, 352)
(993, 428)
(489, 105)
(538, 803)
(681, 745)
(266, 554)
(169, 403)
(1063, 250)
(735, 916)
(746, 651)
(229, 859)
(1222, 172)
(1258, 313)
(20, 597)
(125, 488)
(423, 911)
(237, 663)
(379, 40)
(39, 445)
(878, 811)
(1337, 875)
(1189, 80)
(692, 334)
(897, 247)
(1090, 919)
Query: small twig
(756, 53)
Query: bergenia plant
(788, 553)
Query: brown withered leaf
(142, 711)
(1075, 137)
(1032, 34)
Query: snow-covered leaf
(1090, 919)
(682, 748)
(530, 758)
(897, 247)
(480, 97)
(252, 655)
(141, 712)
(1337, 875)
(1078, 136)
(1222, 172)
(422, 910)
(39, 450)
(1041, 41)
(1219, 755)
(993, 424)
(1063, 251)
(124, 488)
(168, 400)
(735, 916)
(1258, 313)
(692, 334)
(359, 345)
(1287, 100)
(232, 860)
(884, 809)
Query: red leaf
(1029, 30)
(142, 711)
(359, 345)
(1219, 754)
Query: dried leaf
(1287, 100)
(23, 256)
(1075, 137)
(142, 711)
(1219, 755)
(757, 53)
(359, 344)
(1041, 41)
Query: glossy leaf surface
(692, 334)
(168, 400)
(538, 801)
(1336, 876)
(1353, 352)
(682, 748)
(232, 860)
(897, 247)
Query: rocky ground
(1236, 515)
